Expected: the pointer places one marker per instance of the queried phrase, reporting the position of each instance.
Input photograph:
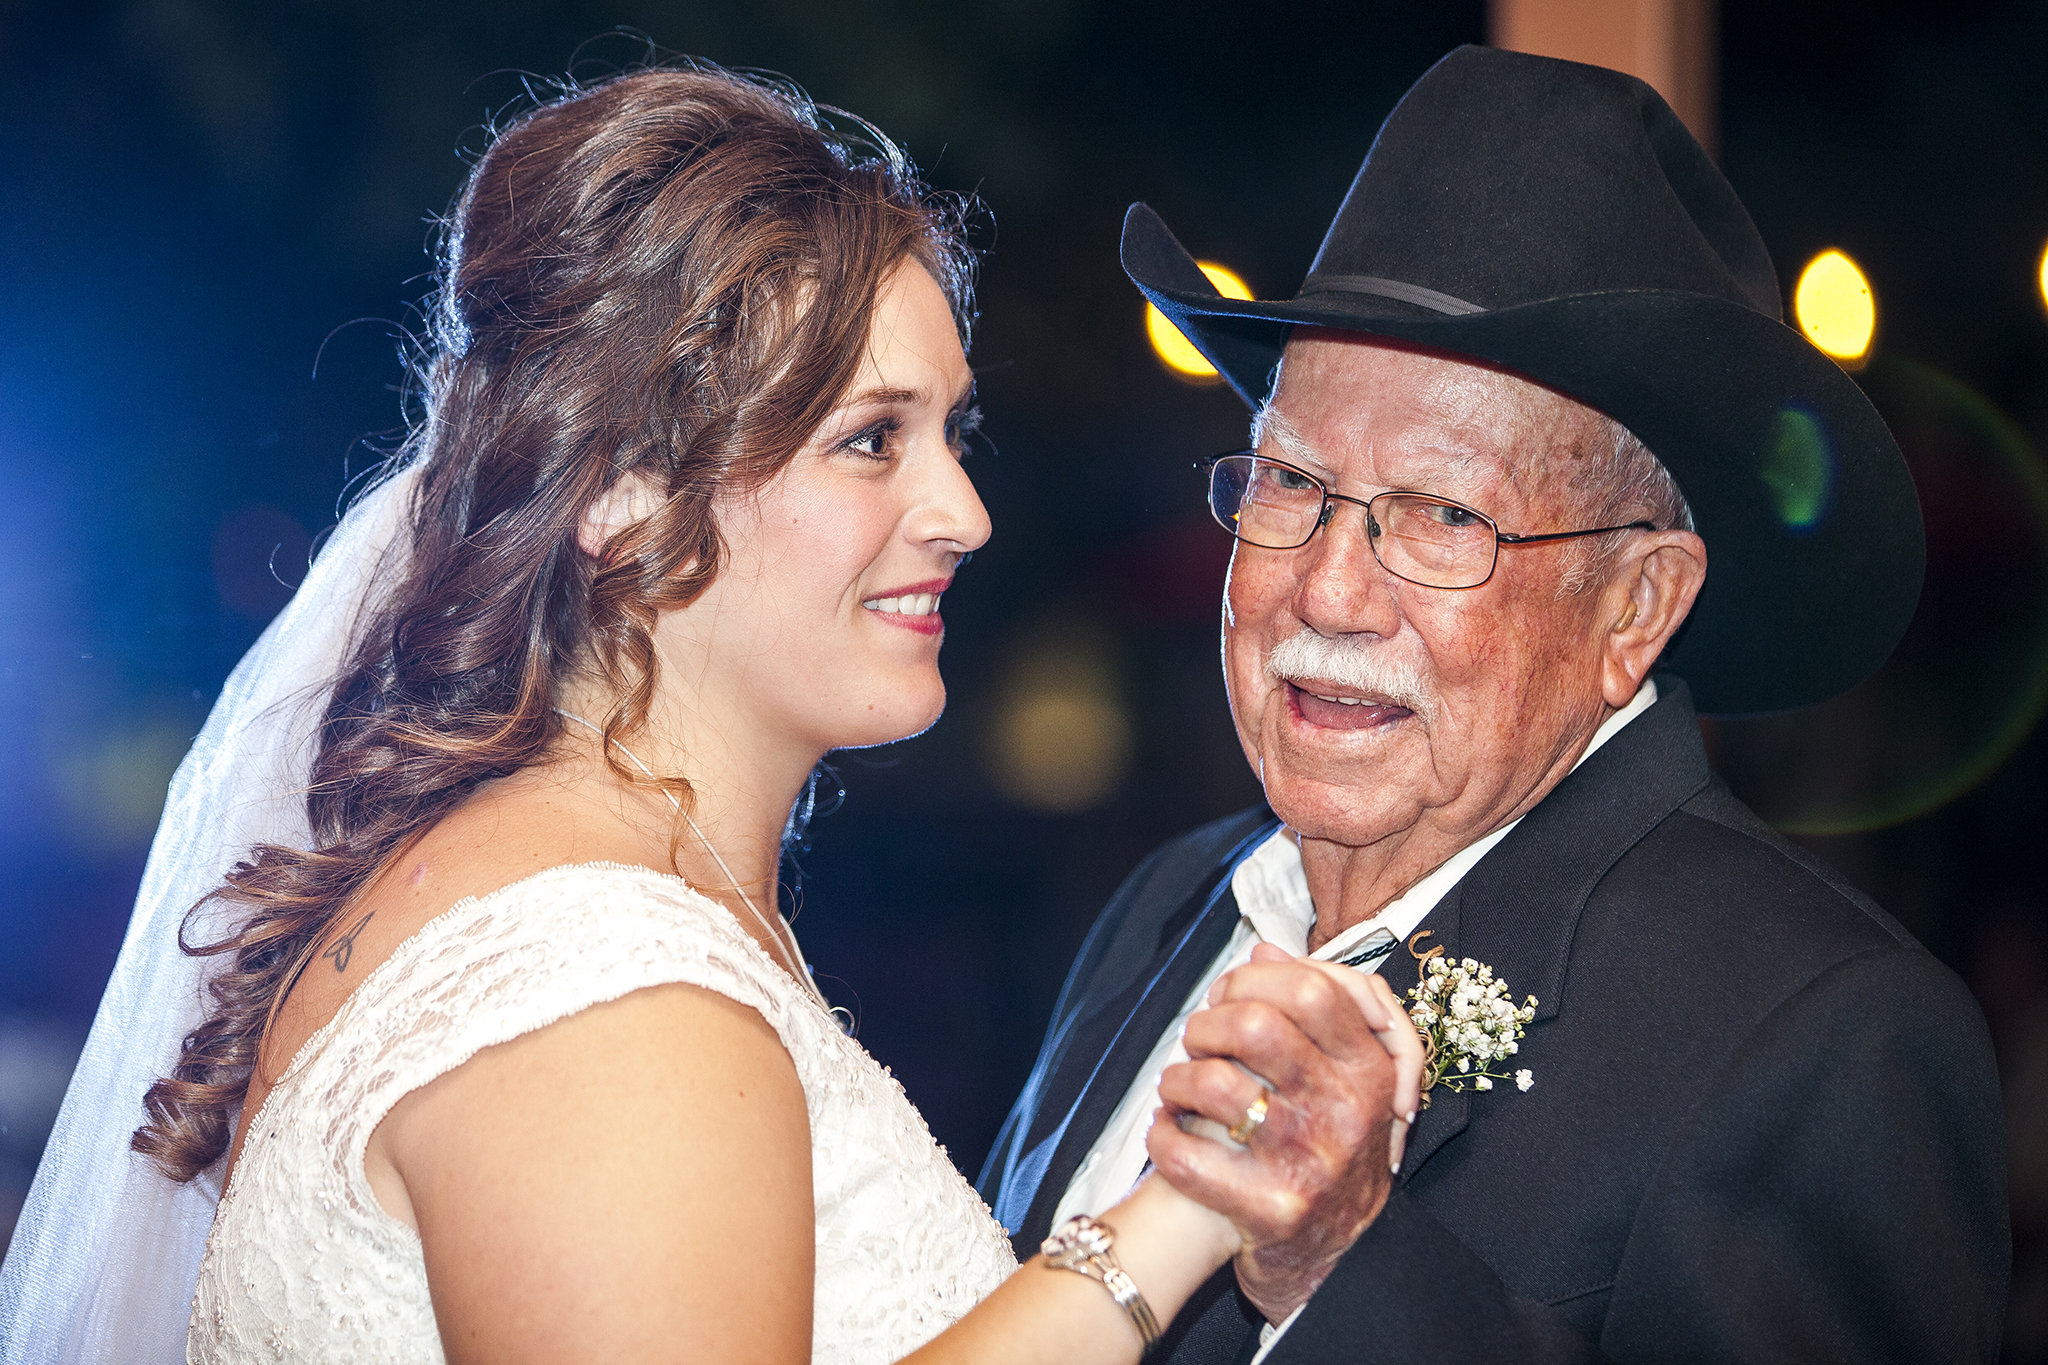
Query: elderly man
(1468, 619)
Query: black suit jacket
(1765, 1124)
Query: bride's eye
(961, 425)
(873, 442)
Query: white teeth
(910, 604)
(1341, 701)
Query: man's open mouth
(1336, 710)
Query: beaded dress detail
(304, 1265)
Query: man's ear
(631, 498)
(1645, 604)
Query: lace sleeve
(491, 970)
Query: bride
(505, 1053)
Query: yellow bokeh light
(2044, 276)
(1176, 350)
(1061, 738)
(1835, 307)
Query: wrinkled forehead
(1394, 415)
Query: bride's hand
(1196, 1229)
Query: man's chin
(1343, 785)
(1354, 813)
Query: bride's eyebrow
(883, 398)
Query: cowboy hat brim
(1809, 515)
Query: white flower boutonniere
(1468, 1024)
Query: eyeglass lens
(1422, 539)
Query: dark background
(195, 195)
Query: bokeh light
(1178, 353)
(2041, 276)
(1835, 307)
(112, 787)
(1061, 738)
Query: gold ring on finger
(1254, 1118)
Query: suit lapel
(1518, 908)
(1101, 1057)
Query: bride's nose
(949, 516)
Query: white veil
(105, 1257)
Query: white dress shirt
(1274, 907)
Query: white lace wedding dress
(304, 1265)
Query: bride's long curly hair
(670, 272)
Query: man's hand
(1342, 1066)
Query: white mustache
(1351, 663)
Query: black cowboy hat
(1559, 221)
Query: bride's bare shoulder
(504, 833)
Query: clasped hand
(1339, 1067)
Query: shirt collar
(1272, 890)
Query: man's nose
(1343, 589)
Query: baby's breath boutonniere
(1468, 1024)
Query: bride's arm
(1167, 1243)
(632, 1183)
(602, 1189)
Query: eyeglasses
(1427, 540)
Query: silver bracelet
(1082, 1245)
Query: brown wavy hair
(672, 273)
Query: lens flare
(1175, 350)
(1969, 681)
(1798, 468)
(1835, 308)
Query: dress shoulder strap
(496, 967)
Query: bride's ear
(631, 498)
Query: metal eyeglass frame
(1328, 509)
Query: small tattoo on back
(345, 947)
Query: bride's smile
(915, 607)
